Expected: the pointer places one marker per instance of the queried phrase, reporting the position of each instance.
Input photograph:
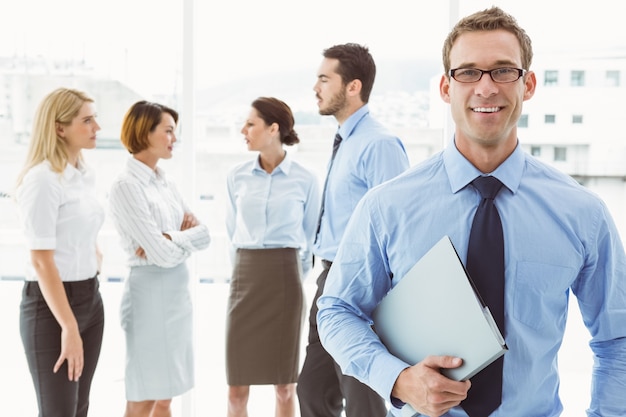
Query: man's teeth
(486, 109)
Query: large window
(209, 60)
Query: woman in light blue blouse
(271, 221)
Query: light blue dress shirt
(277, 210)
(369, 154)
(559, 237)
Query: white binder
(435, 310)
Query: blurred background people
(271, 219)
(158, 233)
(61, 313)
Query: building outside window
(549, 119)
(535, 151)
(577, 79)
(551, 77)
(577, 119)
(523, 121)
(612, 78)
(560, 154)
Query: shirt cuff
(177, 237)
(397, 403)
(386, 370)
(41, 243)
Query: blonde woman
(61, 313)
(158, 233)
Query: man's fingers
(438, 362)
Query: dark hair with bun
(273, 110)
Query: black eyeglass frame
(521, 72)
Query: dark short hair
(355, 63)
(493, 18)
(141, 119)
(273, 110)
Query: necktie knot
(488, 187)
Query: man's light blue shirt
(277, 210)
(369, 155)
(559, 237)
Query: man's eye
(503, 71)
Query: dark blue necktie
(485, 265)
(336, 144)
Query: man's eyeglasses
(498, 75)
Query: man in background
(365, 154)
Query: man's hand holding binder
(436, 322)
(437, 393)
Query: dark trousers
(57, 396)
(322, 387)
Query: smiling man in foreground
(553, 237)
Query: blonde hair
(60, 106)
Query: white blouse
(144, 205)
(60, 212)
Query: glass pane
(118, 52)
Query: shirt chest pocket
(540, 293)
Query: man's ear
(444, 87)
(530, 82)
(354, 88)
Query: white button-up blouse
(143, 206)
(60, 212)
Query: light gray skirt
(156, 315)
(264, 320)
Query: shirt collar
(284, 166)
(461, 172)
(70, 172)
(345, 130)
(143, 172)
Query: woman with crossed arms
(158, 233)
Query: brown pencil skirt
(265, 316)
